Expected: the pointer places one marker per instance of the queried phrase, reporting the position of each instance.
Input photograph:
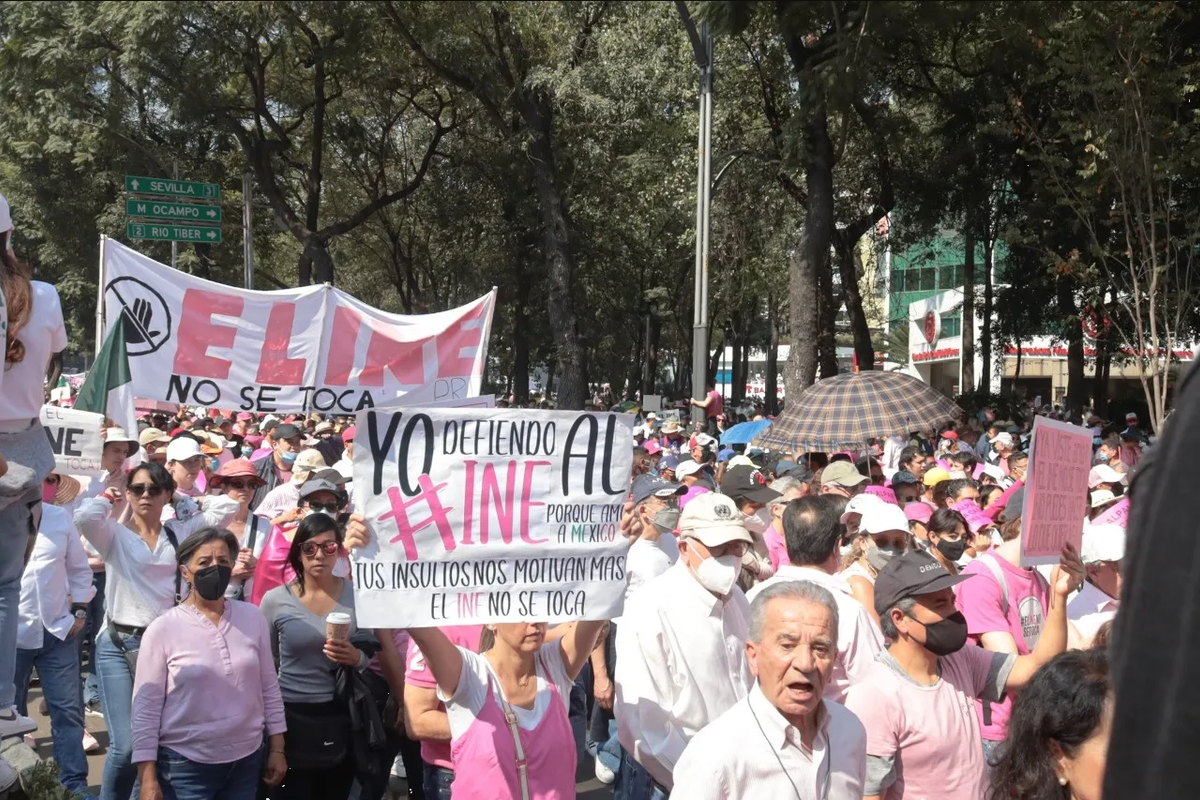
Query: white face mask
(759, 521)
(718, 575)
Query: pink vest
(485, 757)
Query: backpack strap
(174, 540)
(989, 561)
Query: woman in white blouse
(142, 582)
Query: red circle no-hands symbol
(932, 326)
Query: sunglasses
(310, 549)
(139, 489)
(239, 483)
(332, 508)
(52, 480)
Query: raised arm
(578, 643)
(443, 658)
(91, 518)
(1066, 578)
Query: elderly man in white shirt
(681, 648)
(1099, 597)
(786, 739)
(56, 588)
(811, 532)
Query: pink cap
(883, 493)
(245, 416)
(652, 446)
(918, 512)
(348, 434)
(973, 514)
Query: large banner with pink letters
(490, 515)
(201, 343)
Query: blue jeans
(182, 779)
(116, 693)
(87, 642)
(635, 783)
(437, 782)
(16, 526)
(57, 663)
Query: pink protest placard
(883, 493)
(1056, 490)
(1117, 514)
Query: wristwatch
(80, 614)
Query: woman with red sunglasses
(237, 479)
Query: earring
(1062, 781)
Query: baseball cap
(714, 519)
(725, 454)
(647, 486)
(952, 435)
(348, 434)
(747, 482)
(935, 476)
(842, 473)
(652, 446)
(1103, 473)
(245, 416)
(1131, 417)
(332, 475)
(324, 427)
(287, 431)
(881, 517)
(1004, 439)
(790, 469)
(903, 477)
(183, 448)
(1102, 543)
(913, 574)
(668, 462)
(918, 512)
(309, 460)
(1102, 497)
(152, 436)
(688, 467)
(704, 440)
(316, 485)
(858, 504)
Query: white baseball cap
(883, 517)
(1103, 473)
(1102, 543)
(686, 468)
(858, 505)
(182, 449)
(714, 519)
(1004, 439)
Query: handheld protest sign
(1117, 514)
(77, 439)
(490, 515)
(1056, 491)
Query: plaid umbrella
(846, 411)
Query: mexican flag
(108, 389)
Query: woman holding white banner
(142, 581)
(507, 706)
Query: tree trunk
(827, 309)
(864, 350)
(652, 355)
(968, 306)
(1103, 370)
(772, 378)
(560, 267)
(745, 366)
(1076, 381)
(985, 336)
(316, 265)
(737, 378)
(521, 324)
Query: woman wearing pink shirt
(207, 712)
(510, 738)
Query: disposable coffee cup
(337, 626)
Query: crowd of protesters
(810, 625)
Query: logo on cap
(757, 477)
(722, 511)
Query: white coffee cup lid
(338, 618)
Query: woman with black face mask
(208, 717)
(948, 538)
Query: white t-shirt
(649, 559)
(472, 692)
(23, 391)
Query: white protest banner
(199, 343)
(490, 515)
(77, 439)
(1056, 490)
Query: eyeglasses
(310, 549)
(238, 483)
(52, 480)
(332, 508)
(139, 489)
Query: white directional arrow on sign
(210, 213)
(135, 184)
(212, 235)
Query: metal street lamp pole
(702, 47)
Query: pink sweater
(206, 691)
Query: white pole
(247, 231)
(100, 297)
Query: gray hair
(905, 606)
(783, 486)
(790, 589)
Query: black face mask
(952, 550)
(212, 581)
(946, 636)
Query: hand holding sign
(1069, 573)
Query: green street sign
(158, 209)
(136, 184)
(172, 233)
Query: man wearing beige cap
(682, 644)
(841, 477)
(154, 442)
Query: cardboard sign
(77, 439)
(883, 493)
(490, 515)
(1116, 514)
(199, 343)
(1056, 490)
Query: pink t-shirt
(716, 404)
(776, 548)
(981, 602)
(930, 732)
(416, 672)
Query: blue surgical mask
(247, 451)
(288, 457)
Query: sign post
(201, 221)
(1056, 490)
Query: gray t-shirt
(306, 675)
